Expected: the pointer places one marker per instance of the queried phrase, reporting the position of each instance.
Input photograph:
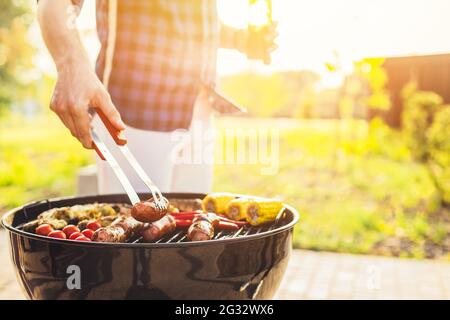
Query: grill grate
(181, 236)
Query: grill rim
(11, 213)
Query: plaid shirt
(159, 52)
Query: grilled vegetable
(185, 205)
(32, 226)
(183, 223)
(93, 225)
(226, 225)
(82, 238)
(261, 211)
(44, 229)
(88, 233)
(237, 208)
(58, 218)
(75, 235)
(57, 234)
(69, 229)
(96, 224)
(217, 202)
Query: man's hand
(77, 89)
(256, 42)
(261, 42)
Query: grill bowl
(247, 267)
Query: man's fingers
(270, 37)
(82, 125)
(110, 111)
(66, 119)
(273, 47)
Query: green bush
(419, 110)
(426, 123)
(438, 138)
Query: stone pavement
(323, 275)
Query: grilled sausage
(200, 231)
(146, 211)
(158, 229)
(202, 227)
(109, 234)
(121, 230)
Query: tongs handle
(117, 135)
(100, 154)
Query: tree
(426, 121)
(15, 50)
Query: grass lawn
(38, 159)
(355, 185)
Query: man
(156, 58)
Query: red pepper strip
(184, 215)
(238, 223)
(193, 214)
(186, 212)
(227, 225)
(183, 223)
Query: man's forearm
(231, 38)
(57, 22)
(77, 87)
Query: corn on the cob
(217, 202)
(237, 208)
(260, 211)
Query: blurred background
(357, 88)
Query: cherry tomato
(88, 233)
(82, 238)
(57, 234)
(69, 229)
(44, 229)
(75, 235)
(93, 225)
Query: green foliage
(15, 51)
(277, 94)
(365, 87)
(371, 70)
(375, 199)
(438, 138)
(33, 164)
(426, 123)
(418, 113)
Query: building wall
(431, 72)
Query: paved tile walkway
(323, 275)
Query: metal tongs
(121, 142)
